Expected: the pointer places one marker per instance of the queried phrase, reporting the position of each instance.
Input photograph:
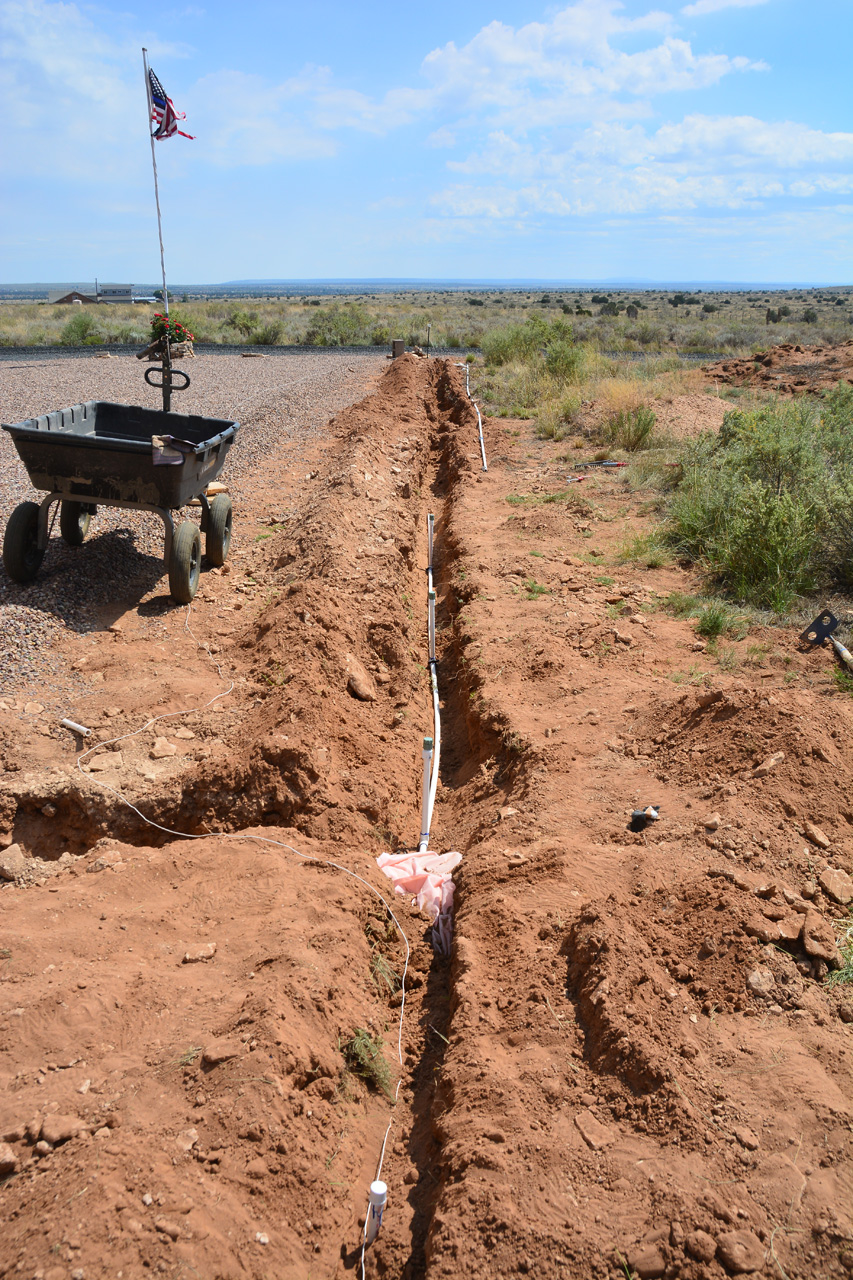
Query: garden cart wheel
(218, 540)
(74, 520)
(21, 554)
(185, 562)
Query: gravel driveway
(282, 397)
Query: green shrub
(80, 330)
(564, 361)
(768, 506)
(631, 429)
(269, 335)
(514, 342)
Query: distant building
(90, 294)
(115, 293)
(62, 297)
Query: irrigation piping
(373, 1218)
(467, 367)
(432, 753)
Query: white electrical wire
(277, 844)
(466, 367)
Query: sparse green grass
(383, 974)
(534, 589)
(365, 1057)
(647, 549)
(582, 506)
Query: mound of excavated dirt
(635, 1061)
(788, 369)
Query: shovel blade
(819, 630)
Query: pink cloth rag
(427, 877)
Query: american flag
(163, 113)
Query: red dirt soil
(789, 369)
(632, 1064)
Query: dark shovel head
(816, 632)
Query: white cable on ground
(370, 1217)
(466, 366)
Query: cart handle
(176, 373)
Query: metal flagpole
(167, 355)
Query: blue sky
(710, 139)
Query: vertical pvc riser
(376, 1206)
(423, 842)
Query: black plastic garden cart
(116, 455)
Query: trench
(71, 818)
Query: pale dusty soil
(630, 1063)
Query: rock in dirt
(105, 761)
(162, 748)
(200, 955)
(647, 1261)
(187, 1139)
(740, 1252)
(8, 1160)
(13, 864)
(819, 940)
(712, 822)
(818, 837)
(359, 681)
(217, 1051)
(593, 1132)
(761, 981)
(768, 765)
(701, 1246)
(58, 1129)
(747, 1139)
(837, 885)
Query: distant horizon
(427, 283)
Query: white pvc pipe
(466, 367)
(433, 785)
(423, 842)
(377, 1200)
(431, 624)
(76, 728)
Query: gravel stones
(288, 394)
(8, 1160)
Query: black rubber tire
(185, 562)
(218, 541)
(21, 556)
(74, 522)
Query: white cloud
(700, 7)
(702, 161)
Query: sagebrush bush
(631, 429)
(767, 507)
